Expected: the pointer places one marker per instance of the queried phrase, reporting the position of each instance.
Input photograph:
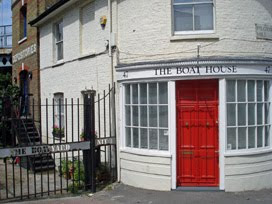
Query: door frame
(221, 133)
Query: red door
(197, 133)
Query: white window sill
(206, 36)
(59, 63)
(236, 153)
(22, 40)
(143, 152)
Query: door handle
(187, 124)
(207, 124)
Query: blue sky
(5, 12)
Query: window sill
(236, 153)
(211, 36)
(22, 40)
(142, 152)
(59, 63)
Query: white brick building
(194, 82)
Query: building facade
(25, 52)
(194, 81)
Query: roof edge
(53, 8)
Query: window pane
(144, 138)
(128, 137)
(203, 17)
(251, 113)
(231, 114)
(266, 112)
(59, 51)
(241, 86)
(153, 93)
(231, 138)
(135, 93)
(241, 138)
(127, 94)
(267, 135)
(153, 139)
(230, 91)
(259, 90)
(163, 139)
(241, 114)
(251, 90)
(163, 93)
(143, 93)
(259, 113)
(163, 112)
(266, 88)
(128, 116)
(135, 137)
(259, 136)
(143, 116)
(183, 17)
(135, 116)
(183, 1)
(153, 118)
(251, 137)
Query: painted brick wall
(145, 29)
(75, 74)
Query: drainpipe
(110, 39)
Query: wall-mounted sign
(24, 53)
(43, 149)
(263, 31)
(194, 71)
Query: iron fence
(71, 148)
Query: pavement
(122, 194)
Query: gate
(70, 148)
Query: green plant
(65, 166)
(58, 131)
(76, 172)
(82, 135)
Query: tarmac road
(122, 194)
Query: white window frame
(139, 150)
(256, 149)
(57, 42)
(193, 32)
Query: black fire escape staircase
(28, 135)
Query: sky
(5, 12)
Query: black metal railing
(71, 147)
(6, 36)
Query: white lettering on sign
(264, 31)
(105, 141)
(43, 149)
(24, 53)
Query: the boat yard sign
(43, 149)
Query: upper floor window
(193, 16)
(59, 40)
(23, 22)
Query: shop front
(197, 123)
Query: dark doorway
(24, 92)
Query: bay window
(193, 15)
(248, 114)
(146, 116)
